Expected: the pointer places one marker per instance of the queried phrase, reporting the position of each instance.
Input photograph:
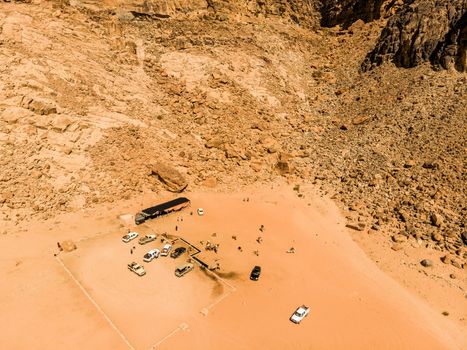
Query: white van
(152, 254)
(166, 249)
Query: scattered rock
(270, 144)
(232, 151)
(256, 165)
(410, 163)
(445, 313)
(283, 164)
(430, 165)
(464, 237)
(399, 238)
(39, 105)
(426, 262)
(215, 142)
(360, 119)
(356, 226)
(68, 246)
(436, 219)
(61, 123)
(344, 127)
(210, 182)
(437, 237)
(456, 263)
(404, 215)
(446, 259)
(125, 16)
(397, 246)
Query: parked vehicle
(183, 269)
(166, 249)
(300, 314)
(129, 236)
(255, 273)
(146, 239)
(151, 255)
(177, 252)
(137, 268)
(161, 209)
(200, 211)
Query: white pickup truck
(136, 268)
(146, 239)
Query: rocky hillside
(100, 102)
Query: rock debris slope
(98, 99)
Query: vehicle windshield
(299, 313)
(147, 255)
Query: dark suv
(254, 275)
(177, 252)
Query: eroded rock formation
(433, 30)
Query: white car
(151, 255)
(300, 314)
(200, 211)
(166, 249)
(129, 236)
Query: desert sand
(255, 110)
(88, 299)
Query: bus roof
(166, 205)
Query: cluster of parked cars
(299, 314)
(156, 253)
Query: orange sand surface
(87, 299)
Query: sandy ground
(443, 286)
(88, 299)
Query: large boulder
(170, 177)
(430, 30)
(13, 115)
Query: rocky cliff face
(417, 30)
(423, 31)
(335, 12)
